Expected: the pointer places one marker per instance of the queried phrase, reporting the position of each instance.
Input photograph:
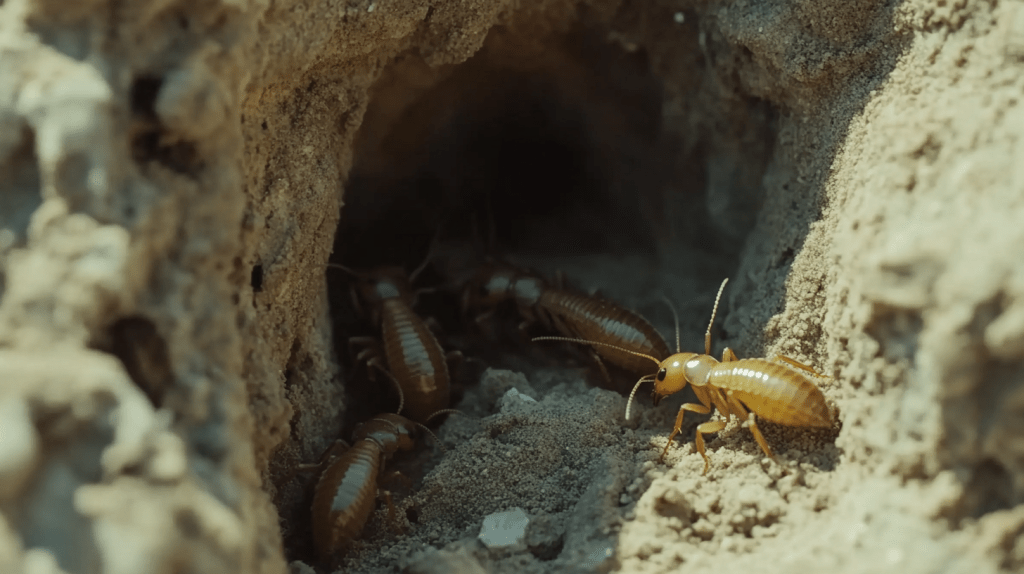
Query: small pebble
(505, 530)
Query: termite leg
(524, 328)
(709, 427)
(365, 341)
(559, 279)
(433, 325)
(728, 355)
(482, 317)
(391, 481)
(337, 448)
(455, 359)
(795, 363)
(376, 363)
(600, 364)
(367, 355)
(693, 408)
(741, 413)
(394, 479)
(371, 357)
(393, 524)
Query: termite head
(390, 431)
(371, 288)
(489, 287)
(682, 368)
(671, 376)
(498, 283)
(378, 285)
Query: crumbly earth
(173, 174)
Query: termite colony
(496, 161)
(407, 363)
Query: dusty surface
(172, 177)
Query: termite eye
(662, 373)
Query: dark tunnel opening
(525, 152)
(555, 153)
(540, 156)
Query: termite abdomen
(570, 314)
(345, 497)
(346, 493)
(777, 393)
(415, 359)
(412, 356)
(599, 320)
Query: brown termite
(623, 337)
(415, 361)
(347, 489)
(744, 388)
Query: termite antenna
(586, 342)
(426, 260)
(325, 458)
(629, 403)
(437, 441)
(707, 334)
(444, 412)
(676, 317)
(426, 290)
(351, 272)
(430, 418)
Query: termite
(744, 388)
(347, 489)
(621, 336)
(415, 361)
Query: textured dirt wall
(153, 154)
(171, 176)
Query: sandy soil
(174, 178)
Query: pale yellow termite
(745, 388)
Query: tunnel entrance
(552, 153)
(552, 149)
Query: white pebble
(504, 530)
(513, 400)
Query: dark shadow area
(523, 149)
(143, 351)
(541, 154)
(256, 278)
(19, 189)
(149, 139)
